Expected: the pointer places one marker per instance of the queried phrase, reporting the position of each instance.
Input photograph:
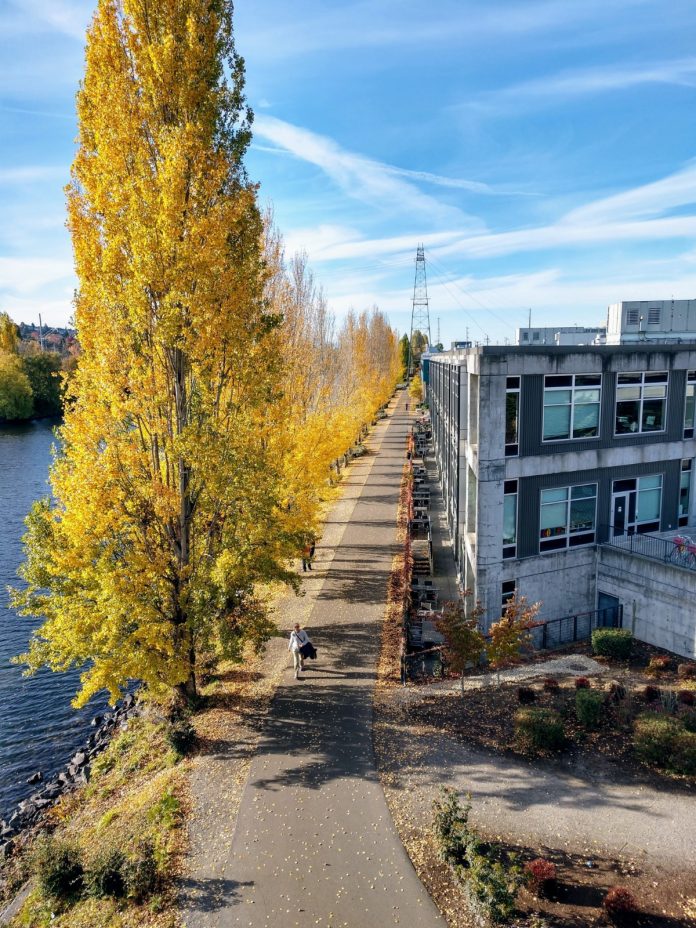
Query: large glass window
(567, 517)
(510, 519)
(571, 406)
(641, 401)
(512, 416)
(685, 493)
(690, 405)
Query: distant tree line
(31, 382)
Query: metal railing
(555, 633)
(679, 551)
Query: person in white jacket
(298, 638)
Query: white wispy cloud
(321, 28)
(370, 181)
(596, 80)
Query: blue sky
(544, 152)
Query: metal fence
(555, 633)
(680, 551)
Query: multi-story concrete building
(561, 335)
(553, 459)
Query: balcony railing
(679, 551)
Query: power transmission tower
(420, 313)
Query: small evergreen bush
(105, 875)
(589, 705)
(617, 691)
(525, 695)
(665, 741)
(490, 881)
(653, 737)
(539, 729)
(689, 721)
(651, 693)
(181, 735)
(140, 875)
(615, 643)
(58, 868)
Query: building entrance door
(620, 514)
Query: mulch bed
(486, 717)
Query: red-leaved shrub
(620, 901)
(686, 671)
(538, 872)
(582, 683)
(651, 693)
(686, 697)
(551, 685)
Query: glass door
(619, 514)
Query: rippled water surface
(38, 728)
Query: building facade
(547, 452)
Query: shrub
(105, 875)
(686, 671)
(619, 901)
(538, 872)
(551, 685)
(666, 742)
(615, 643)
(683, 759)
(140, 872)
(651, 693)
(181, 735)
(525, 695)
(490, 885)
(689, 721)
(539, 729)
(654, 736)
(617, 691)
(658, 664)
(58, 868)
(588, 707)
(582, 683)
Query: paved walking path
(314, 844)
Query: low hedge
(539, 729)
(589, 706)
(665, 742)
(615, 643)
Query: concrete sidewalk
(314, 843)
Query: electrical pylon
(420, 313)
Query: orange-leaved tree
(167, 502)
(510, 637)
(465, 644)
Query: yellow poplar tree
(166, 500)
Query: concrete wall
(659, 600)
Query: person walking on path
(307, 552)
(298, 639)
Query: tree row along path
(314, 843)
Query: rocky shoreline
(29, 812)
